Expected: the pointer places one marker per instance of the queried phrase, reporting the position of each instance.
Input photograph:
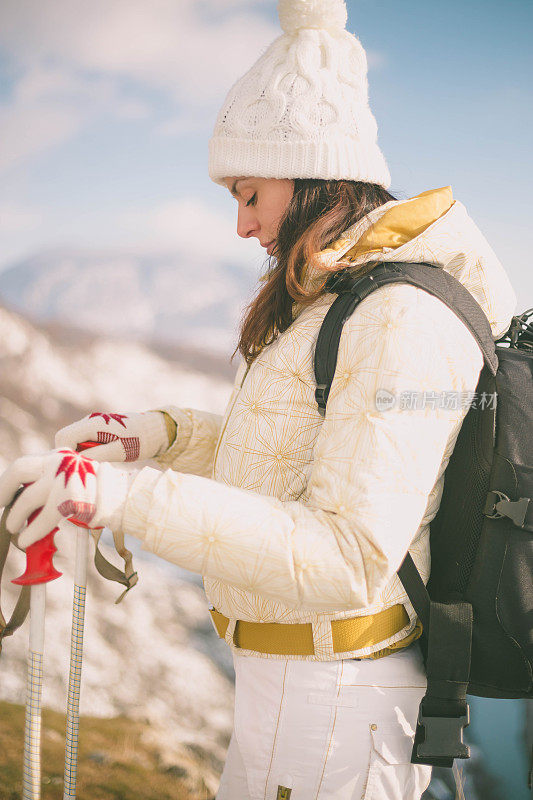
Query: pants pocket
(391, 776)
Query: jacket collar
(431, 227)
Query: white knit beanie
(302, 110)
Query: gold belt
(296, 639)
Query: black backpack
(477, 608)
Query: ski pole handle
(39, 556)
(80, 448)
(87, 446)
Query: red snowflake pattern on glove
(73, 463)
(108, 417)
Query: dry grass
(114, 763)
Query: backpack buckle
(515, 510)
(363, 286)
(335, 281)
(347, 282)
(321, 397)
(443, 736)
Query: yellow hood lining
(403, 222)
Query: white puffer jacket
(294, 518)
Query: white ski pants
(334, 730)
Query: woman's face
(262, 203)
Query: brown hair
(318, 213)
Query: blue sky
(106, 109)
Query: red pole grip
(39, 556)
(39, 564)
(87, 446)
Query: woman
(298, 522)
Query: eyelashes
(251, 201)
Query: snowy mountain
(154, 656)
(191, 301)
(52, 376)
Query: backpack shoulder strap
(447, 627)
(351, 290)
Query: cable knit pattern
(305, 519)
(302, 110)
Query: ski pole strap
(443, 712)
(22, 606)
(127, 577)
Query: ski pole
(39, 571)
(70, 774)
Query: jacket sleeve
(372, 473)
(197, 435)
(196, 439)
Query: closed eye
(251, 201)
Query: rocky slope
(154, 657)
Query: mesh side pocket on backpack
(456, 529)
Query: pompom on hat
(302, 110)
(327, 14)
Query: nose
(247, 223)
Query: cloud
(46, 108)
(22, 228)
(193, 48)
(132, 109)
(27, 130)
(190, 226)
(188, 121)
(76, 60)
(15, 219)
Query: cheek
(277, 209)
(286, 199)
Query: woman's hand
(122, 437)
(62, 484)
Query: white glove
(123, 437)
(63, 484)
